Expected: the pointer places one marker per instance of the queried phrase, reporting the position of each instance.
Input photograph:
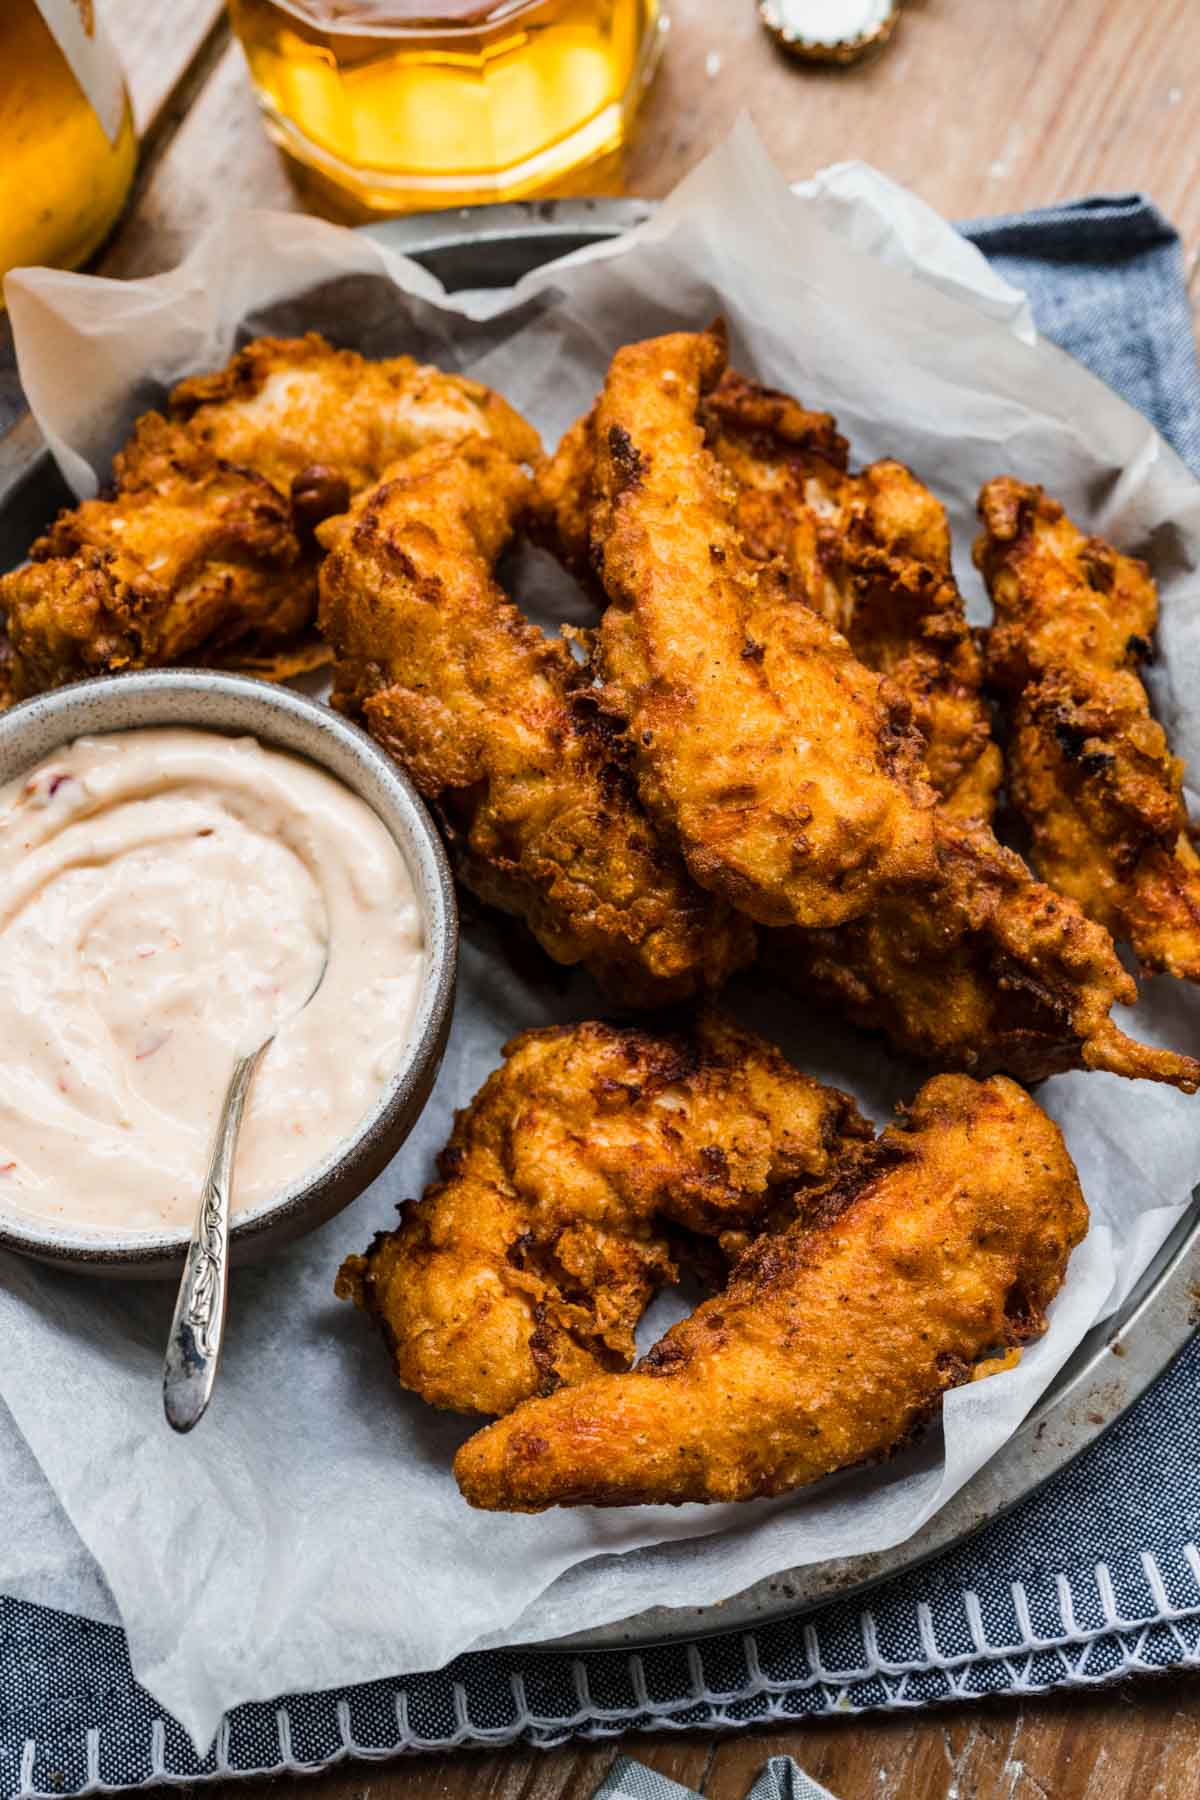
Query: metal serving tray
(492, 247)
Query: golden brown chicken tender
(871, 553)
(939, 933)
(788, 773)
(991, 972)
(790, 467)
(191, 557)
(928, 1254)
(309, 417)
(908, 623)
(564, 493)
(205, 549)
(495, 724)
(1090, 770)
(530, 1262)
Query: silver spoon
(198, 1328)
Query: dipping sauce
(167, 900)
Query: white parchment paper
(310, 1533)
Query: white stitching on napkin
(596, 1722)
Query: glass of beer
(393, 105)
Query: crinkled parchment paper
(310, 1534)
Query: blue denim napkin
(1096, 1575)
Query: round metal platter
(489, 247)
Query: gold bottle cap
(830, 31)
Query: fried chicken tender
(871, 553)
(564, 493)
(793, 488)
(788, 773)
(990, 971)
(496, 726)
(321, 423)
(190, 557)
(530, 1262)
(206, 547)
(736, 747)
(927, 1255)
(1090, 770)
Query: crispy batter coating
(788, 466)
(1062, 600)
(908, 622)
(789, 774)
(189, 558)
(769, 800)
(285, 405)
(206, 547)
(530, 1262)
(933, 1250)
(989, 971)
(495, 724)
(1090, 770)
(793, 489)
(871, 552)
(564, 493)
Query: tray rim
(1116, 1362)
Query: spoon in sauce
(198, 1328)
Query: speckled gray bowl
(285, 720)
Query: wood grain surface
(1139, 1741)
(981, 106)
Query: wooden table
(981, 106)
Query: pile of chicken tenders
(780, 740)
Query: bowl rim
(411, 827)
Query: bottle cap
(830, 31)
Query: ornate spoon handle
(194, 1346)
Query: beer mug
(392, 105)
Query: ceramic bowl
(285, 720)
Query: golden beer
(400, 104)
(67, 144)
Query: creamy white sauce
(167, 899)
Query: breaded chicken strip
(206, 548)
(933, 1250)
(191, 557)
(530, 1262)
(732, 694)
(871, 553)
(991, 971)
(1090, 770)
(564, 494)
(788, 773)
(494, 722)
(322, 423)
(793, 488)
